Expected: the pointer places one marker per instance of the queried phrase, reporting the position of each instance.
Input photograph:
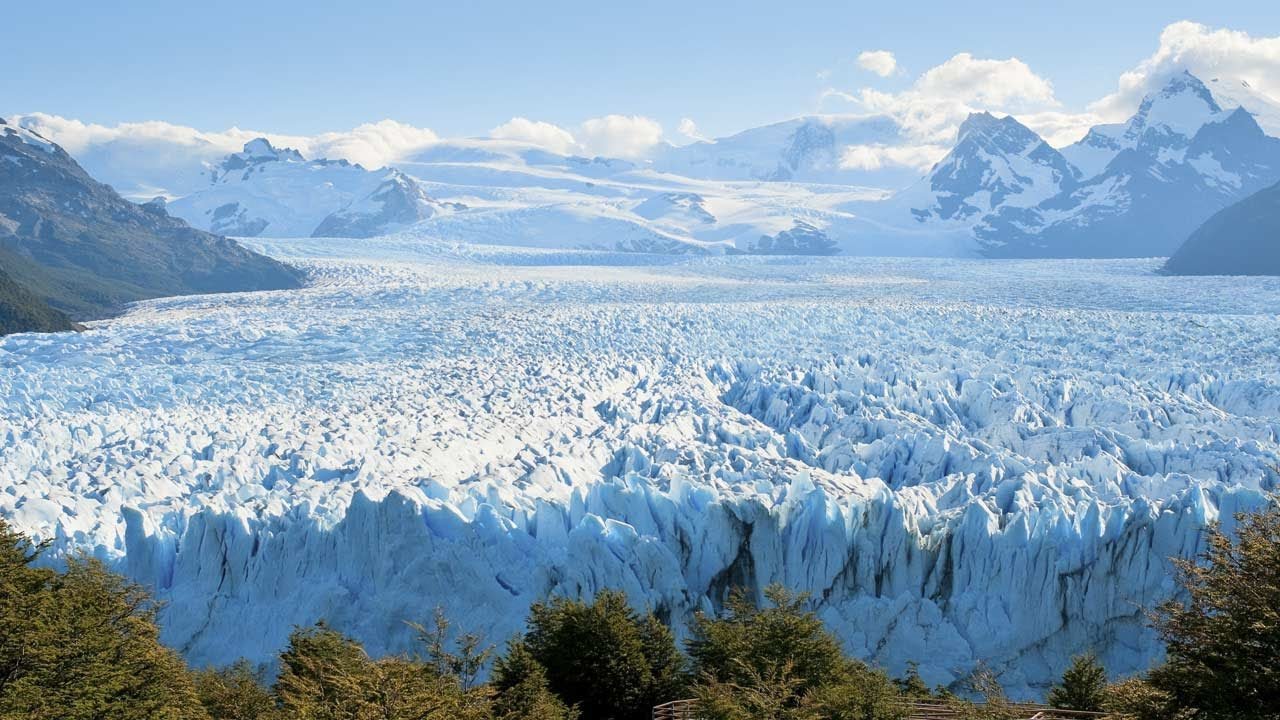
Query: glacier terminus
(963, 460)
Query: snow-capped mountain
(1145, 184)
(806, 149)
(266, 190)
(997, 162)
(519, 194)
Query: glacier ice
(963, 461)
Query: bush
(1137, 699)
(236, 693)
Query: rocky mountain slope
(79, 247)
(1243, 239)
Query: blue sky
(464, 68)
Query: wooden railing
(688, 710)
(677, 710)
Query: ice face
(963, 461)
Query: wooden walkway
(688, 710)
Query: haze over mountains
(1134, 189)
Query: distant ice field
(963, 460)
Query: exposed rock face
(803, 239)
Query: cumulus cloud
(877, 157)
(880, 62)
(624, 136)
(1246, 70)
(931, 110)
(543, 134)
(372, 144)
(620, 136)
(143, 159)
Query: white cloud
(623, 136)
(931, 110)
(880, 62)
(142, 159)
(876, 157)
(1230, 56)
(689, 129)
(992, 83)
(372, 144)
(546, 135)
(620, 136)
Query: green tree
(603, 657)
(912, 685)
(522, 690)
(857, 693)
(1223, 644)
(236, 693)
(780, 661)
(1083, 685)
(23, 590)
(325, 675)
(748, 642)
(82, 644)
(465, 662)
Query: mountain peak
(1003, 134)
(995, 161)
(1181, 106)
(261, 149)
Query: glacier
(964, 461)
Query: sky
(469, 68)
